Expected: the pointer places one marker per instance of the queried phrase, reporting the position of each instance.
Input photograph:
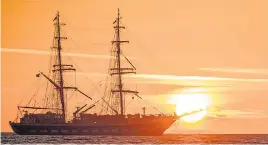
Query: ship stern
(15, 127)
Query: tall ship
(50, 118)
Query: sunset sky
(217, 47)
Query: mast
(60, 89)
(119, 71)
(59, 68)
(120, 85)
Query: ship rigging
(54, 122)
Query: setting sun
(190, 101)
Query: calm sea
(10, 138)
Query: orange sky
(222, 43)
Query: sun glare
(190, 101)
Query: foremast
(59, 68)
(118, 70)
(60, 89)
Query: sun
(188, 102)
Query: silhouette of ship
(53, 121)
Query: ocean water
(11, 138)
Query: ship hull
(82, 129)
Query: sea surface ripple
(11, 138)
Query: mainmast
(119, 71)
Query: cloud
(167, 79)
(174, 79)
(229, 113)
(211, 85)
(43, 52)
(237, 70)
(221, 111)
(196, 78)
